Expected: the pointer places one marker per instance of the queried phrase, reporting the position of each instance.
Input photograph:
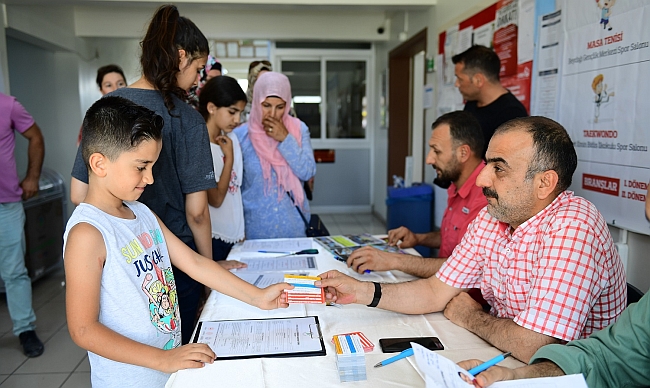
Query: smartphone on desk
(395, 345)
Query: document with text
(441, 372)
(253, 338)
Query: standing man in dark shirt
(477, 79)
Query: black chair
(633, 294)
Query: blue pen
(478, 369)
(404, 354)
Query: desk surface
(316, 372)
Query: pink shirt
(462, 207)
(13, 117)
(558, 273)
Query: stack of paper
(304, 290)
(350, 358)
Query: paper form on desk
(440, 372)
(251, 338)
(279, 245)
(278, 264)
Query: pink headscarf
(276, 85)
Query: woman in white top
(221, 103)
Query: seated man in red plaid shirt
(543, 258)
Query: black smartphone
(393, 345)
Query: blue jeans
(12, 266)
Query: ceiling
(386, 5)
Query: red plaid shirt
(558, 273)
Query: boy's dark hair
(554, 149)
(464, 129)
(480, 59)
(102, 71)
(167, 33)
(114, 125)
(222, 91)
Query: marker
(404, 354)
(478, 369)
(367, 271)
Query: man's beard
(446, 178)
(442, 183)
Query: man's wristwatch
(377, 296)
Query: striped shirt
(558, 274)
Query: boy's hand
(226, 146)
(273, 297)
(186, 357)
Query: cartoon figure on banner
(602, 96)
(605, 12)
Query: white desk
(316, 372)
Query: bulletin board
(507, 27)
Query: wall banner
(605, 104)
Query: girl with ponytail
(173, 52)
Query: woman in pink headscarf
(278, 158)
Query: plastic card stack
(304, 290)
(365, 342)
(350, 358)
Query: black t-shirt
(491, 116)
(185, 162)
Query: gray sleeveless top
(138, 294)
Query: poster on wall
(549, 61)
(505, 35)
(606, 66)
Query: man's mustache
(489, 193)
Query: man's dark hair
(102, 71)
(480, 59)
(553, 148)
(114, 125)
(464, 129)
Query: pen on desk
(478, 369)
(404, 354)
(303, 252)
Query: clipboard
(262, 338)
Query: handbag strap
(299, 212)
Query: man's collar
(468, 185)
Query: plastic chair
(633, 294)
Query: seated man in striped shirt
(543, 258)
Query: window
(330, 92)
(346, 99)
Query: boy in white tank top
(121, 301)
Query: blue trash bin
(411, 207)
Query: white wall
(46, 84)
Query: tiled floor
(65, 365)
